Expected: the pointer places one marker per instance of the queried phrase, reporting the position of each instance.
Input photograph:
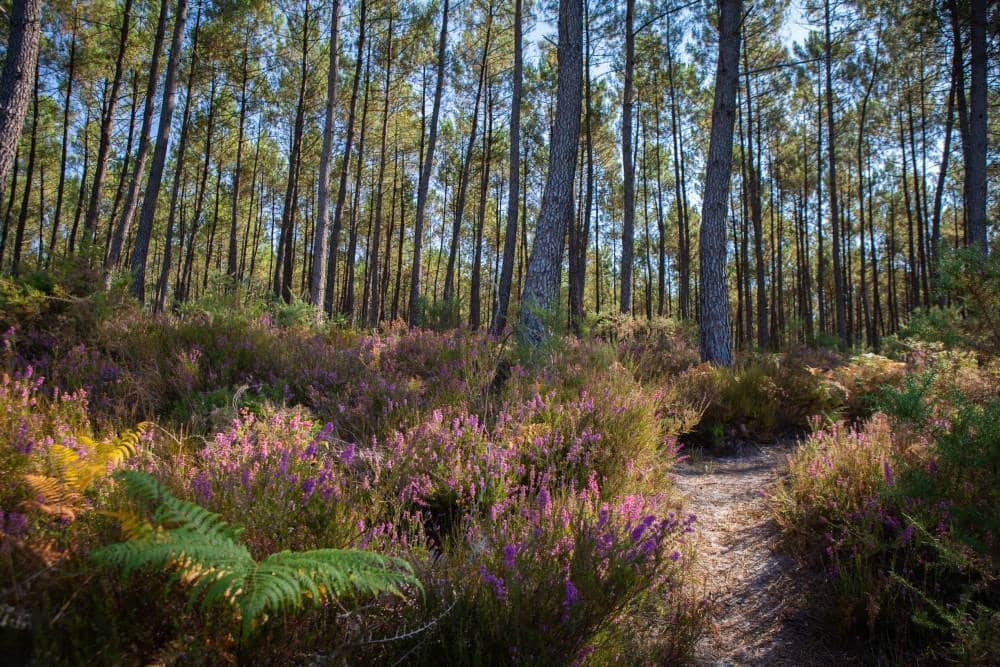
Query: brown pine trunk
(425, 174)
(541, 283)
(145, 229)
(376, 234)
(976, 174)
(22, 215)
(231, 261)
(338, 211)
(16, 80)
(840, 296)
(161, 285)
(712, 292)
(101, 162)
(317, 295)
(60, 189)
(628, 220)
(475, 288)
(514, 164)
(124, 223)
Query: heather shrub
(544, 578)
(901, 510)
(541, 475)
(656, 349)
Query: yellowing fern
(61, 494)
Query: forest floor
(760, 609)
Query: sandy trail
(760, 614)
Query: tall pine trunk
(541, 282)
(425, 174)
(712, 292)
(145, 229)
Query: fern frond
(54, 498)
(205, 553)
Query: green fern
(206, 553)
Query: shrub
(546, 576)
(207, 555)
(902, 512)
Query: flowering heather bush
(546, 576)
(902, 513)
(656, 349)
(533, 504)
(31, 423)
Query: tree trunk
(22, 215)
(475, 288)
(145, 229)
(231, 261)
(283, 273)
(121, 230)
(317, 290)
(71, 71)
(463, 177)
(840, 298)
(541, 283)
(347, 302)
(16, 80)
(334, 247)
(514, 165)
(628, 220)
(199, 199)
(376, 234)
(425, 174)
(975, 176)
(161, 285)
(10, 207)
(101, 162)
(713, 297)
(763, 330)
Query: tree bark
(541, 283)
(161, 285)
(145, 229)
(514, 165)
(60, 189)
(17, 78)
(283, 273)
(840, 298)
(231, 261)
(22, 214)
(317, 290)
(463, 177)
(376, 234)
(976, 174)
(425, 174)
(334, 247)
(712, 296)
(121, 230)
(628, 220)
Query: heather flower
(490, 579)
(202, 486)
(16, 524)
(572, 596)
(544, 500)
(887, 469)
(509, 555)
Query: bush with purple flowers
(902, 513)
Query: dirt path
(760, 615)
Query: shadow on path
(760, 614)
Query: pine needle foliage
(206, 553)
